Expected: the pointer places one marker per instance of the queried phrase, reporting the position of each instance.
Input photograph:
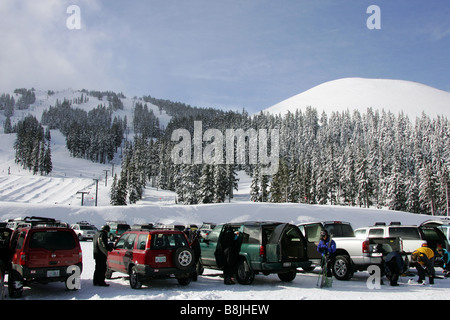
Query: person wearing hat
(327, 250)
(423, 259)
(445, 260)
(101, 249)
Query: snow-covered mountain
(359, 94)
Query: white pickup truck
(412, 236)
(352, 254)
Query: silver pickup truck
(352, 254)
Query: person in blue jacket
(327, 250)
(445, 260)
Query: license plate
(287, 264)
(160, 259)
(52, 273)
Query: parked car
(352, 253)
(84, 230)
(117, 228)
(411, 236)
(42, 252)
(265, 247)
(5, 257)
(148, 254)
(206, 228)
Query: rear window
(86, 228)
(123, 227)
(340, 230)
(52, 240)
(406, 233)
(168, 240)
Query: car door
(312, 235)
(273, 246)
(116, 258)
(209, 247)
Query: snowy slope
(359, 94)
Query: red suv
(148, 254)
(43, 252)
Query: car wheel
(244, 274)
(135, 283)
(342, 268)
(15, 284)
(183, 258)
(287, 276)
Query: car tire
(135, 283)
(342, 269)
(244, 274)
(183, 258)
(287, 276)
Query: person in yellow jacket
(423, 260)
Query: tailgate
(52, 248)
(41, 258)
(380, 246)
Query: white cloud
(38, 50)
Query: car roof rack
(147, 226)
(395, 223)
(380, 223)
(169, 226)
(30, 222)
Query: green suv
(265, 247)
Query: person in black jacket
(230, 251)
(101, 249)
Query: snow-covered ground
(23, 194)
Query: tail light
(80, 256)
(262, 251)
(365, 246)
(23, 258)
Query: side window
(376, 232)
(142, 241)
(130, 241)
(361, 233)
(214, 235)
(251, 235)
(121, 243)
(17, 240)
(312, 232)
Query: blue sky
(231, 53)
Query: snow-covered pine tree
(206, 185)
